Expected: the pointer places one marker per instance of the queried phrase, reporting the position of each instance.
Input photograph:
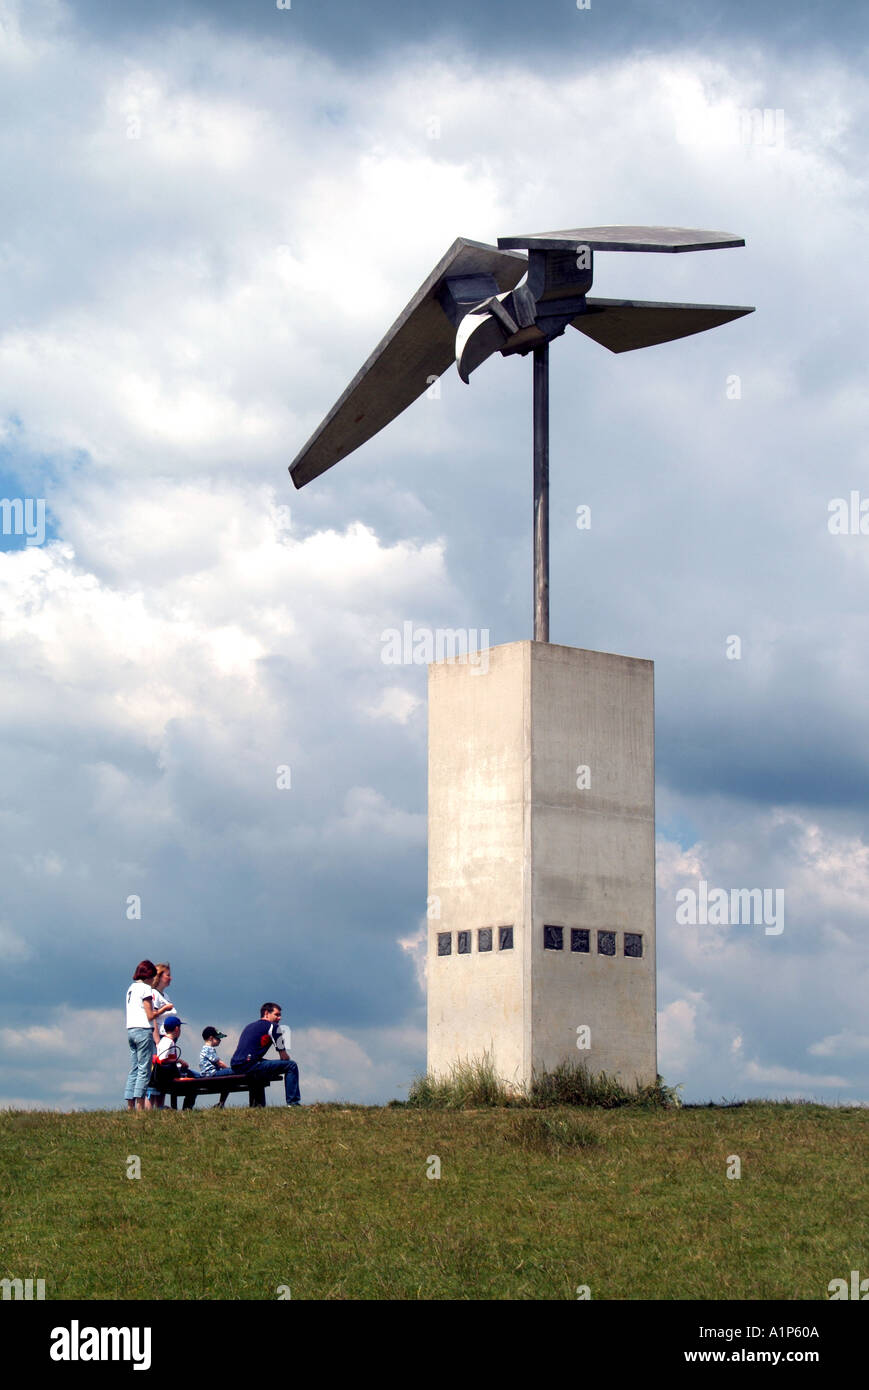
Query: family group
(154, 1030)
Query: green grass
(555, 1133)
(335, 1202)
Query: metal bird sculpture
(473, 305)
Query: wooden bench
(223, 1083)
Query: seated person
(209, 1062)
(254, 1043)
(169, 1056)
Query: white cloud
(844, 1045)
(367, 812)
(677, 1041)
(416, 946)
(13, 947)
(396, 704)
(786, 1076)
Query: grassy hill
(335, 1202)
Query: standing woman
(161, 1006)
(162, 980)
(140, 1020)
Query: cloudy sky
(212, 212)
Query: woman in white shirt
(161, 1006)
(140, 1020)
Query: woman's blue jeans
(141, 1042)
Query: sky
(212, 213)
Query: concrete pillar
(542, 875)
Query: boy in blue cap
(169, 1055)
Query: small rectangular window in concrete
(553, 938)
(445, 943)
(464, 943)
(484, 939)
(606, 943)
(578, 939)
(505, 938)
(633, 943)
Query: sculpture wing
(624, 239)
(624, 324)
(419, 345)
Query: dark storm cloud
(355, 32)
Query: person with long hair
(154, 1099)
(140, 1021)
(161, 981)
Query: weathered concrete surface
(513, 841)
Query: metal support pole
(541, 493)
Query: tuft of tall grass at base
(473, 1084)
(470, 1085)
(571, 1083)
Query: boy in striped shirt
(209, 1062)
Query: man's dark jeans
(288, 1070)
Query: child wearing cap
(169, 1054)
(167, 1048)
(209, 1062)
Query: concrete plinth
(542, 862)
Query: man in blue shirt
(254, 1043)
